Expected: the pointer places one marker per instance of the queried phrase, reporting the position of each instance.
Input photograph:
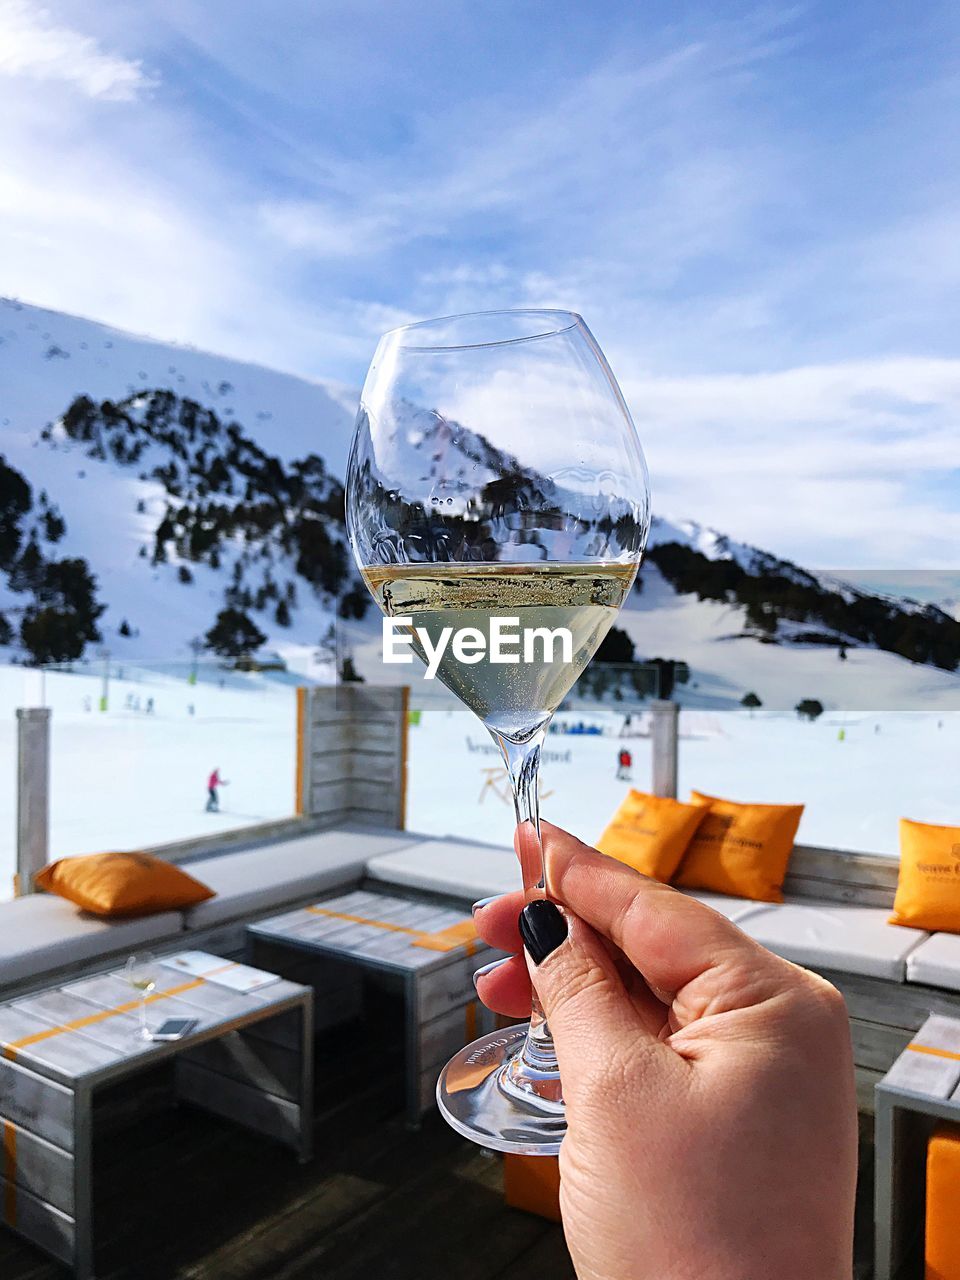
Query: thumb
(597, 1025)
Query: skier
(214, 783)
(624, 763)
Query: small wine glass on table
(496, 486)
(141, 973)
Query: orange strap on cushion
(463, 934)
(935, 1053)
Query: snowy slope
(47, 358)
(724, 663)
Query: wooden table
(920, 1089)
(429, 948)
(249, 1059)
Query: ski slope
(131, 777)
(855, 788)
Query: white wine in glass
(496, 487)
(141, 973)
(510, 697)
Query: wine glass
(496, 484)
(141, 972)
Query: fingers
(673, 940)
(504, 987)
(599, 1032)
(496, 921)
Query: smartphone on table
(175, 1029)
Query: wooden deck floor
(183, 1196)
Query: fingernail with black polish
(488, 968)
(484, 902)
(542, 928)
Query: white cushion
(42, 932)
(821, 935)
(457, 868)
(936, 962)
(256, 880)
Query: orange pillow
(942, 1242)
(122, 884)
(928, 887)
(651, 833)
(740, 849)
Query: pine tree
(234, 635)
(809, 708)
(15, 501)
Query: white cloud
(34, 46)
(834, 465)
(326, 233)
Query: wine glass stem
(523, 765)
(143, 1015)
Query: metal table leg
(83, 1182)
(306, 1079)
(411, 1016)
(885, 1156)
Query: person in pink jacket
(214, 783)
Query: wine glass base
(473, 1099)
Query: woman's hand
(709, 1084)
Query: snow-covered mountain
(188, 480)
(112, 508)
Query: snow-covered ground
(128, 777)
(855, 787)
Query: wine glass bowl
(496, 483)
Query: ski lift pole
(105, 685)
(196, 645)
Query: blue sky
(757, 209)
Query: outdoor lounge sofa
(834, 921)
(42, 935)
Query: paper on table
(241, 977)
(224, 973)
(197, 963)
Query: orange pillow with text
(740, 849)
(122, 884)
(928, 886)
(651, 833)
